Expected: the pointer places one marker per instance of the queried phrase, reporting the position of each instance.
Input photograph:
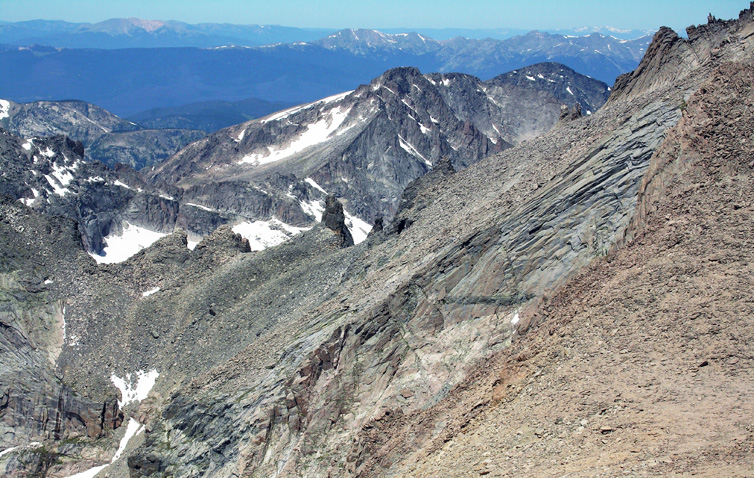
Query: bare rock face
(40, 254)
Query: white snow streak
(314, 134)
(132, 240)
(134, 389)
(133, 429)
(411, 150)
(530, 78)
(315, 185)
(515, 319)
(150, 292)
(90, 473)
(8, 450)
(568, 89)
(204, 208)
(122, 185)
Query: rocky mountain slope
(561, 305)
(365, 146)
(106, 137)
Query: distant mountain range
(130, 81)
(138, 33)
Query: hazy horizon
(387, 14)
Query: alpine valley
(429, 274)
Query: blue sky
(530, 14)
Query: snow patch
(423, 129)
(62, 178)
(134, 389)
(264, 234)
(132, 240)
(516, 318)
(568, 89)
(314, 134)
(4, 113)
(240, 136)
(530, 78)
(150, 292)
(358, 227)
(27, 145)
(57, 189)
(313, 208)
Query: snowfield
(129, 242)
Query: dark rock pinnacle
(335, 219)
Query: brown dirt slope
(642, 365)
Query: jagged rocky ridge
(280, 200)
(309, 359)
(365, 146)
